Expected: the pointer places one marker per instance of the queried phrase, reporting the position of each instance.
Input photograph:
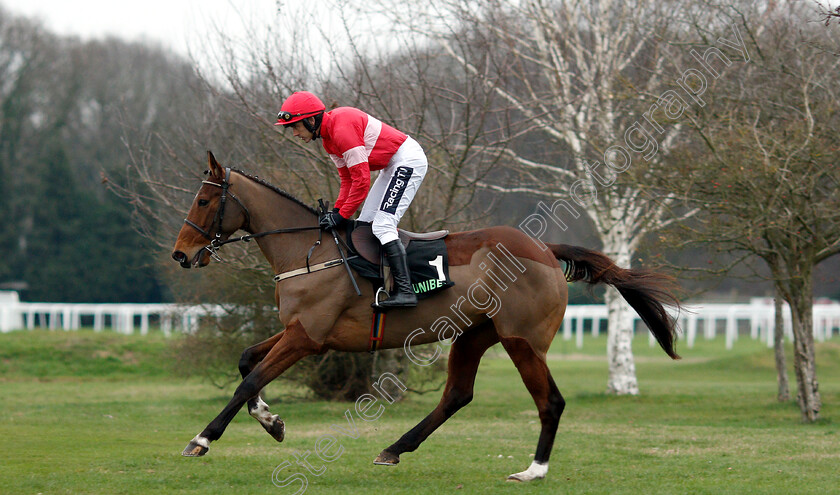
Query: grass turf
(93, 413)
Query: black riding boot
(403, 295)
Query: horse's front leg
(257, 408)
(291, 348)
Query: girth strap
(308, 269)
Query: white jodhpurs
(394, 189)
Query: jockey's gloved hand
(331, 220)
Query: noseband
(216, 240)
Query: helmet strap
(315, 128)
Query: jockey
(359, 144)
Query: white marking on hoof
(535, 471)
(197, 447)
(262, 414)
(201, 441)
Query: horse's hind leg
(257, 407)
(464, 357)
(550, 404)
(288, 350)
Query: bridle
(220, 213)
(216, 241)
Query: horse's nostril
(179, 257)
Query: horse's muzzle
(182, 259)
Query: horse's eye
(203, 202)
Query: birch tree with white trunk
(574, 77)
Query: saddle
(428, 261)
(367, 245)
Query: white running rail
(120, 317)
(756, 318)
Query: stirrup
(383, 306)
(375, 304)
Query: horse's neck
(270, 210)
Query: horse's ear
(216, 170)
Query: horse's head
(215, 214)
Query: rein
(216, 241)
(220, 213)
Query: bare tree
(409, 86)
(766, 183)
(782, 381)
(571, 78)
(827, 12)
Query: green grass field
(103, 413)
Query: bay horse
(519, 302)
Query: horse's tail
(646, 291)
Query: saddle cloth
(428, 260)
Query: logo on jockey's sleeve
(396, 189)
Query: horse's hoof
(535, 471)
(194, 450)
(522, 477)
(387, 459)
(277, 429)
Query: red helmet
(301, 105)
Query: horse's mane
(276, 189)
